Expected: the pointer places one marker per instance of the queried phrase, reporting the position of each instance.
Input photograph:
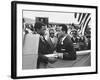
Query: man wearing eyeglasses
(52, 40)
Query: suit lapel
(50, 42)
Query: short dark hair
(38, 25)
(64, 27)
(51, 30)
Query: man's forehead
(51, 31)
(44, 27)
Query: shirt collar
(64, 38)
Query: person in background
(82, 43)
(75, 39)
(88, 42)
(44, 47)
(52, 40)
(65, 49)
(46, 34)
(26, 30)
(74, 36)
(57, 28)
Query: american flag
(83, 20)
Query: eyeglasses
(51, 33)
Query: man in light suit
(65, 47)
(52, 40)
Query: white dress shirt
(63, 39)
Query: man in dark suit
(65, 47)
(75, 39)
(44, 47)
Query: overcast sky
(55, 17)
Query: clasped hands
(55, 56)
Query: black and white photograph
(54, 39)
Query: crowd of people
(57, 38)
(81, 42)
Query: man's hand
(52, 59)
(60, 55)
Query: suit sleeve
(71, 53)
(42, 58)
(41, 53)
(43, 49)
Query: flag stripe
(83, 21)
(87, 23)
(82, 17)
(86, 19)
(75, 15)
(79, 16)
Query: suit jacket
(66, 47)
(44, 48)
(74, 40)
